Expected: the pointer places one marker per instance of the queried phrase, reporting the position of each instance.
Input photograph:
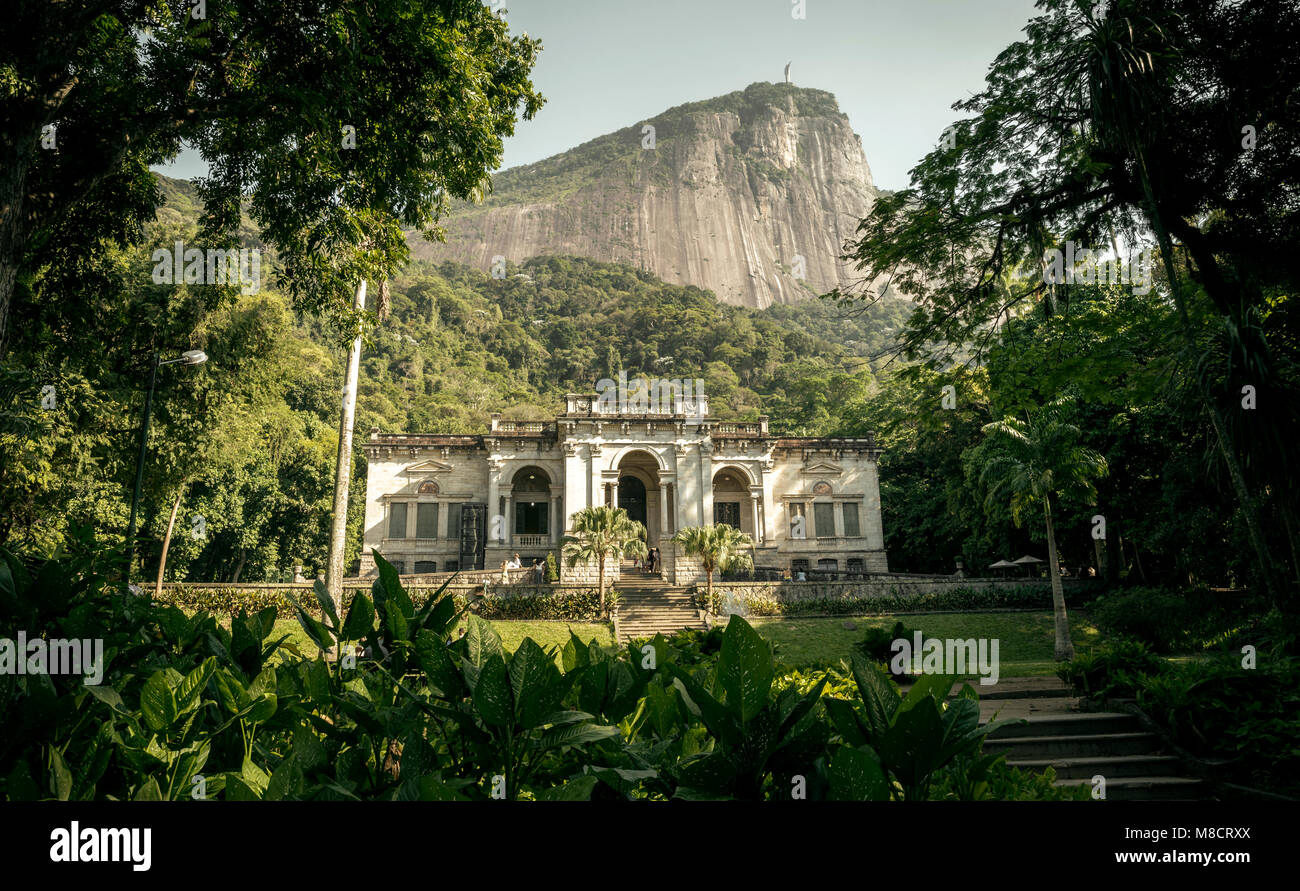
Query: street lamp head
(194, 357)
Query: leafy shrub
(878, 643)
(1220, 710)
(1162, 620)
(967, 780)
(1117, 669)
(960, 599)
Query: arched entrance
(631, 497)
(638, 492)
(530, 497)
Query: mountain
(734, 192)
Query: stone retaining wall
(776, 598)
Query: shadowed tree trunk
(1064, 649)
(167, 540)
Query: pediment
(822, 468)
(424, 467)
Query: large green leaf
(935, 686)
(912, 747)
(492, 698)
(845, 718)
(579, 789)
(191, 688)
(482, 641)
(715, 716)
(745, 669)
(361, 617)
(438, 666)
(856, 775)
(157, 702)
(396, 600)
(575, 735)
(326, 604)
(534, 682)
(879, 697)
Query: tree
(1105, 124)
(718, 546)
(603, 533)
(1029, 463)
(334, 128)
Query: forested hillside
(243, 446)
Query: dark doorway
(631, 497)
(473, 535)
(727, 512)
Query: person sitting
(515, 563)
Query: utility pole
(343, 467)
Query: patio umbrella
(1027, 562)
(1002, 564)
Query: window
(798, 522)
(400, 565)
(851, 529)
(798, 566)
(824, 514)
(426, 520)
(855, 564)
(425, 567)
(397, 520)
(453, 521)
(828, 565)
(727, 513)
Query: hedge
(541, 602)
(956, 599)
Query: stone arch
(747, 477)
(616, 462)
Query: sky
(896, 66)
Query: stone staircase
(1080, 745)
(649, 605)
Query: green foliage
(191, 707)
(758, 602)
(1160, 619)
(895, 744)
(877, 645)
(1116, 669)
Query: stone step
(1033, 747)
(1149, 788)
(1075, 724)
(1087, 767)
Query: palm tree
(1030, 462)
(602, 533)
(719, 546)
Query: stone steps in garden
(1081, 745)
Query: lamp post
(189, 357)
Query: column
(593, 468)
(556, 519)
(493, 499)
(576, 480)
(755, 499)
(705, 459)
(508, 512)
(663, 508)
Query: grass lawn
(1024, 639)
(547, 634)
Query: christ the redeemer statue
(787, 72)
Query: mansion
(441, 503)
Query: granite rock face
(751, 195)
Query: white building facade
(439, 503)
